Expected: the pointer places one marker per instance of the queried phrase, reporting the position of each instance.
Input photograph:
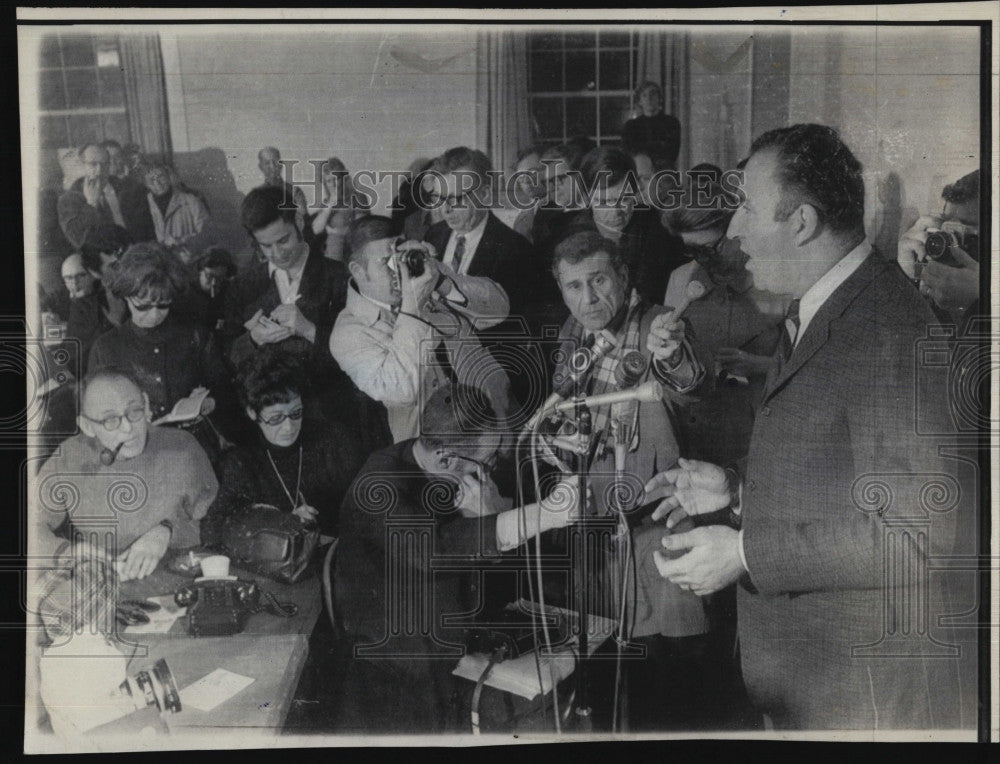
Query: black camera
(941, 240)
(413, 259)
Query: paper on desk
(161, 620)
(520, 676)
(214, 689)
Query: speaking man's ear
(807, 223)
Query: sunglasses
(274, 421)
(113, 422)
(145, 307)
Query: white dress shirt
(288, 282)
(809, 306)
(472, 239)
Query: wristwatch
(168, 525)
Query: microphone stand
(582, 570)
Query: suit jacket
(502, 255)
(322, 295)
(77, 217)
(509, 259)
(838, 477)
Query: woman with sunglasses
(295, 463)
(170, 357)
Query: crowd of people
(413, 348)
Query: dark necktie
(456, 262)
(791, 330)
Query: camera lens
(414, 261)
(937, 244)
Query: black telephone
(220, 607)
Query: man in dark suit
(473, 241)
(100, 199)
(292, 298)
(842, 502)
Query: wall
(313, 95)
(906, 102)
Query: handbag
(263, 539)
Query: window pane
(107, 54)
(51, 94)
(581, 116)
(581, 39)
(548, 118)
(611, 39)
(546, 72)
(614, 70)
(81, 85)
(85, 128)
(614, 111)
(53, 133)
(50, 51)
(581, 71)
(545, 40)
(78, 51)
(112, 87)
(116, 126)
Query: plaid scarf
(602, 378)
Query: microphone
(695, 290)
(630, 369)
(580, 364)
(649, 392)
(108, 456)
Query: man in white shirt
(401, 337)
(835, 525)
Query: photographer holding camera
(940, 253)
(407, 327)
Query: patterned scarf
(602, 379)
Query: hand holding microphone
(666, 333)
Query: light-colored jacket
(186, 216)
(392, 358)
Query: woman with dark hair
(650, 251)
(294, 463)
(170, 357)
(342, 203)
(652, 131)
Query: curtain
(664, 58)
(502, 118)
(146, 94)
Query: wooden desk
(271, 649)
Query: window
(581, 83)
(81, 91)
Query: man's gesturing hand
(696, 487)
(712, 562)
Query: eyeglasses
(113, 422)
(273, 421)
(145, 307)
